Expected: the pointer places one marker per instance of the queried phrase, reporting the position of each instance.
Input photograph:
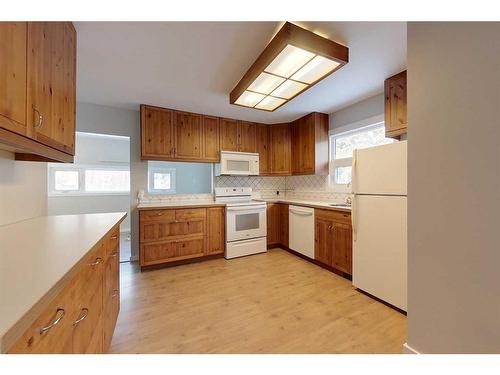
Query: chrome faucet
(348, 201)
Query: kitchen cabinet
(263, 148)
(188, 133)
(157, 134)
(273, 224)
(280, 138)
(38, 91)
(310, 144)
(216, 221)
(171, 235)
(396, 121)
(333, 239)
(79, 319)
(283, 224)
(247, 133)
(211, 138)
(238, 135)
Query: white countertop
(179, 203)
(35, 255)
(308, 203)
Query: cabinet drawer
(162, 215)
(85, 322)
(113, 241)
(190, 213)
(172, 251)
(160, 231)
(340, 216)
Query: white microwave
(238, 164)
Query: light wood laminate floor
(268, 303)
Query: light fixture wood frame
(298, 37)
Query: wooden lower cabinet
(82, 317)
(277, 224)
(333, 239)
(283, 231)
(172, 235)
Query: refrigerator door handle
(353, 219)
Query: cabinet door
(395, 105)
(273, 216)
(228, 134)
(247, 134)
(188, 136)
(215, 230)
(13, 76)
(263, 149)
(323, 243)
(111, 298)
(295, 147)
(211, 141)
(307, 145)
(86, 338)
(283, 224)
(280, 149)
(342, 248)
(50, 84)
(156, 133)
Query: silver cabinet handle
(114, 237)
(114, 254)
(55, 322)
(85, 312)
(115, 292)
(97, 261)
(40, 118)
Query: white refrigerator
(379, 220)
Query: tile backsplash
(292, 187)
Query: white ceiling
(193, 66)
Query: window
(161, 180)
(88, 180)
(342, 146)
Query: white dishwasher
(301, 230)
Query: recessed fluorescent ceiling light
(270, 103)
(293, 61)
(289, 89)
(315, 69)
(265, 83)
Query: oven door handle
(252, 208)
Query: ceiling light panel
(315, 69)
(289, 61)
(249, 99)
(265, 83)
(270, 103)
(293, 61)
(288, 89)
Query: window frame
(52, 192)
(152, 170)
(344, 162)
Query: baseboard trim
(407, 349)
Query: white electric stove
(246, 222)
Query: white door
(380, 170)
(379, 259)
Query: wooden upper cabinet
(211, 138)
(247, 132)
(228, 134)
(263, 149)
(280, 138)
(156, 133)
(51, 89)
(188, 136)
(13, 76)
(396, 121)
(310, 144)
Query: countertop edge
(12, 334)
(303, 204)
(180, 205)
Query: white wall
(356, 115)
(454, 187)
(23, 189)
(94, 149)
(93, 118)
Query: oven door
(245, 222)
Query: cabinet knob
(39, 121)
